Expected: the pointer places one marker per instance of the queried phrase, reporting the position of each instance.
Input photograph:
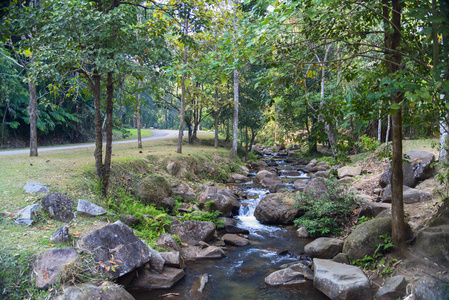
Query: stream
(241, 274)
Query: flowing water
(241, 274)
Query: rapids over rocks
(241, 274)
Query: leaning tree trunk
(33, 118)
(392, 44)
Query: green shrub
(326, 210)
(252, 156)
(367, 143)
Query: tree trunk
(235, 123)
(216, 113)
(392, 43)
(183, 96)
(227, 130)
(139, 123)
(33, 118)
(109, 126)
(98, 121)
(327, 126)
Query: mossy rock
(365, 238)
(153, 189)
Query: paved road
(157, 135)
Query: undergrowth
(326, 211)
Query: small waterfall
(246, 217)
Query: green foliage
(363, 219)
(206, 216)
(252, 156)
(367, 143)
(378, 260)
(326, 211)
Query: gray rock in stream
(277, 209)
(149, 279)
(324, 247)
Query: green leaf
(224, 78)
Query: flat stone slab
(235, 240)
(324, 247)
(85, 207)
(48, 267)
(35, 188)
(154, 280)
(340, 281)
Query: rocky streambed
(258, 254)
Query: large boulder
(184, 191)
(419, 167)
(148, 279)
(115, 245)
(431, 287)
(372, 209)
(340, 281)
(191, 232)
(365, 238)
(87, 291)
(279, 208)
(410, 195)
(438, 238)
(323, 248)
(317, 186)
(167, 241)
(239, 178)
(349, 171)
(49, 266)
(152, 189)
(235, 240)
(259, 165)
(269, 180)
(59, 206)
(300, 184)
(224, 201)
(90, 209)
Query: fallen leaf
(118, 260)
(76, 233)
(107, 268)
(11, 215)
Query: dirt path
(157, 134)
